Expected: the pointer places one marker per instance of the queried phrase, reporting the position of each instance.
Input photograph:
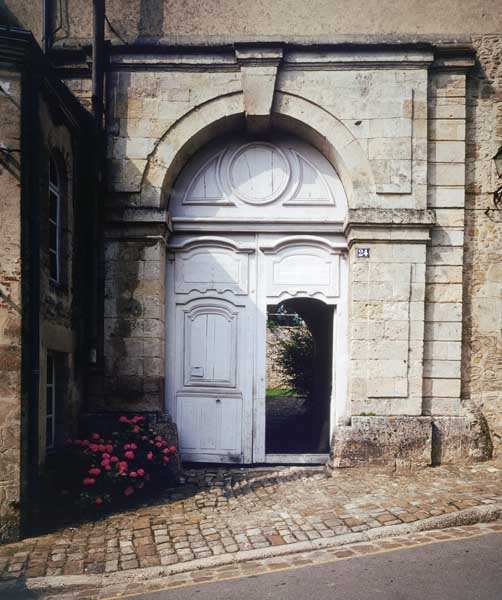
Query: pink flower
(128, 491)
(123, 420)
(144, 437)
(165, 459)
(109, 448)
(105, 462)
(95, 436)
(172, 449)
(127, 446)
(94, 471)
(89, 481)
(133, 446)
(135, 429)
(166, 451)
(152, 442)
(149, 455)
(158, 444)
(106, 455)
(114, 459)
(158, 438)
(123, 464)
(140, 472)
(133, 474)
(99, 501)
(129, 454)
(85, 442)
(107, 468)
(101, 448)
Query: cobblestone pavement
(133, 589)
(226, 510)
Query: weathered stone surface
(460, 439)
(395, 442)
(11, 307)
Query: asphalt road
(468, 569)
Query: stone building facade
(43, 138)
(408, 113)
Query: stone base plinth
(459, 440)
(394, 442)
(406, 443)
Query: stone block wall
(387, 316)
(482, 336)
(134, 324)
(445, 255)
(11, 307)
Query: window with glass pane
(50, 406)
(54, 221)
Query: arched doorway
(256, 223)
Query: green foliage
(295, 355)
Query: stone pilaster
(134, 322)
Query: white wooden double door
(218, 291)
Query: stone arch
(225, 114)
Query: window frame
(55, 189)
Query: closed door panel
(210, 426)
(210, 341)
(213, 390)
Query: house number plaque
(363, 253)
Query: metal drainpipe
(47, 24)
(98, 43)
(98, 79)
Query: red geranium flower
(135, 429)
(149, 456)
(114, 459)
(166, 459)
(89, 481)
(172, 449)
(94, 471)
(109, 448)
(133, 474)
(123, 420)
(129, 454)
(129, 490)
(95, 436)
(99, 501)
(140, 472)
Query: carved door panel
(211, 388)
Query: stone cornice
(137, 223)
(384, 225)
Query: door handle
(218, 401)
